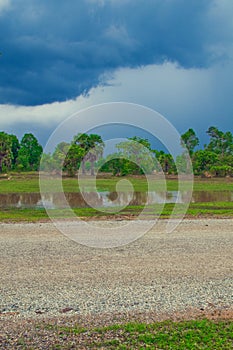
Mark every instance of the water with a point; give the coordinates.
(107, 199)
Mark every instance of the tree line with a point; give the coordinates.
(20, 156)
(134, 156)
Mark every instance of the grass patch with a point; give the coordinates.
(24, 215)
(28, 183)
(24, 185)
(195, 209)
(219, 209)
(183, 335)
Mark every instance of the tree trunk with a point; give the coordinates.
(1, 158)
(83, 167)
(92, 169)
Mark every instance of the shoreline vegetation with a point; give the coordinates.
(29, 183)
(20, 162)
(85, 153)
(220, 210)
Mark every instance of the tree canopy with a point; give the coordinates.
(30, 152)
(133, 156)
(5, 151)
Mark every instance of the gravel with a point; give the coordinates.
(44, 274)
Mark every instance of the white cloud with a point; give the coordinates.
(187, 97)
(44, 115)
(177, 93)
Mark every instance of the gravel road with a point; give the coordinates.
(43, 273)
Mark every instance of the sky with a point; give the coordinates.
(58, 57)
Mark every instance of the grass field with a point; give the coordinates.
(30, 183)
(184, 335)
(195, 210)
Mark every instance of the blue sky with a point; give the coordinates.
(175, 56)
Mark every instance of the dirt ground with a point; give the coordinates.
(46, 276)
(41, 268)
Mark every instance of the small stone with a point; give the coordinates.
(66, 309)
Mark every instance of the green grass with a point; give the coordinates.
(19, 185)
(30, 183)
(217, 184)
(215, 209)
(194, 334)
(27, 185)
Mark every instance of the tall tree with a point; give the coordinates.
(116, 165)
(139, 158)
(14, 148)
(30, 153)
(60, 154)
(220, 142)
(190, 140)
(5, 151)
(73, 159)
(166, 162)
(203, 160)
(141, 141)
(92, 146)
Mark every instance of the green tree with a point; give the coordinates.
(138, 157)
(60, 154)
(221, 170)
(203, 160)
(14, 149)
(47, 162)
(166, 162)
(67, 157)
(92, 146)
(220, 142)
(114, 164)
(5, 151)
(190, 140)
(141, 141)
(30, 153)
(73, 159)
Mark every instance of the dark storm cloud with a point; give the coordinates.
(56, 50)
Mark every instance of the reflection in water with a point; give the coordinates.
(107, 199)
(211, 196)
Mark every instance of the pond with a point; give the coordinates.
(108, 199)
